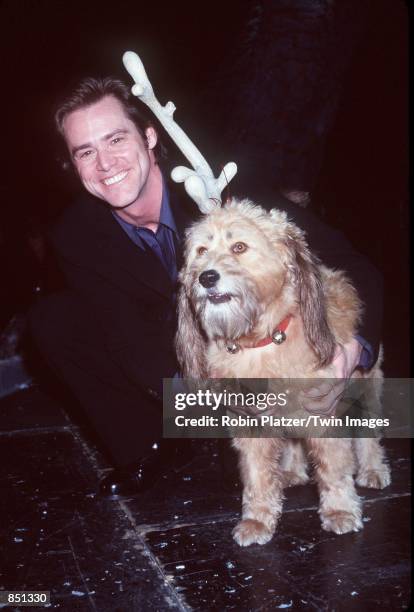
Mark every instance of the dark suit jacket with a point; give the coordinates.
(132, 295)
(126, 287)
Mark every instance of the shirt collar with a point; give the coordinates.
(166, 215)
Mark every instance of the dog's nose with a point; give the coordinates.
(209, 278)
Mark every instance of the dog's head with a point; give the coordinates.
(240, 263)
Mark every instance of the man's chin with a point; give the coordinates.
(116, 201)
(119, 205)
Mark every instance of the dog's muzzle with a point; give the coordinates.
(209, 279)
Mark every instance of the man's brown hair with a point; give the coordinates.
(91, 90)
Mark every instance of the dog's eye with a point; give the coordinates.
(239, 247)
(201, 250)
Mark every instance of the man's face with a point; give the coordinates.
(112, 159)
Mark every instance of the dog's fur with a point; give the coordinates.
(274, 275)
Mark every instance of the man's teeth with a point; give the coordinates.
(116, 179)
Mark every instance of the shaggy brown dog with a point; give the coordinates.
(246, 271)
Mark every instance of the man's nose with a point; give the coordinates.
(104, 160)
(209, 278)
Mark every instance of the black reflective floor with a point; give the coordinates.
(171, 549)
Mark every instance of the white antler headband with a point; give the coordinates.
(199, 183)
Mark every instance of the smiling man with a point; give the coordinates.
(109, 335)
(115, 162)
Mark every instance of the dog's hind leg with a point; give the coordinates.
(262, 489)
(339, 506)
(293, 463)
(372, 469)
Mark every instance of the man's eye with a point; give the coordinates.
(239, 247)
(201, 250)
(86, 154)
(117, 140)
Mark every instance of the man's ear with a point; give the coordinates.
(151, 137)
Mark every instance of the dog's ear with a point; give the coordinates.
(189, 342)
(307, 277)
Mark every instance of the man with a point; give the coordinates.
(109, 336)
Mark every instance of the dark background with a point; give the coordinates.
(302, 94)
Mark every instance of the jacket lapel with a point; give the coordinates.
(130, 261)
(127, 259)
(185, 213)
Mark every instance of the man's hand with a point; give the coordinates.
(323, 398)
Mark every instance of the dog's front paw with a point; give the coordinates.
(374, 479)
(341, 521)
(250, 531)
